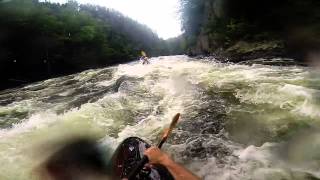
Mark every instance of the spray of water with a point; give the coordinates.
(237, 121)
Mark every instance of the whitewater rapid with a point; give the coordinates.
(238, 121)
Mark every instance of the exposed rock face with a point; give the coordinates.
(202, 45)
(242, 50)
(249, 29)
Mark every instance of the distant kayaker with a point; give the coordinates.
(144, 58)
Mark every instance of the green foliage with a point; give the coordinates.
(225, 22)
(42, 39)
(226, 31)
(177, 45)
(192, 15)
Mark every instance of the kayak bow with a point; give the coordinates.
(164, 138)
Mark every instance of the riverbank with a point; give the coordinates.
(263, 52)
(235, 31)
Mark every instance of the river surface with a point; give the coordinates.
(237, 121)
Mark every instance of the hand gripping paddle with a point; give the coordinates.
(145, 159)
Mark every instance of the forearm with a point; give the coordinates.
(178, 172)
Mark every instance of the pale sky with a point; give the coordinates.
(160, 15)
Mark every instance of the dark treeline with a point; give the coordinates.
(39, 40)
(248, 25)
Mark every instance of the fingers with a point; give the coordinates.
(155, 155)
(152, 152)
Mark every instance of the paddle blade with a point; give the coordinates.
(173, 124)
(168, 131)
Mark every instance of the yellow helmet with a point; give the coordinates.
(143, 53)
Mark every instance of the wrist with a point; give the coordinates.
(165, 160)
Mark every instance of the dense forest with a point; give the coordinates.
(39, 40)
(251, 27)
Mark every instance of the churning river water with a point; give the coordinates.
(237, 121)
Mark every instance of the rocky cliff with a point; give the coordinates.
(248, 29)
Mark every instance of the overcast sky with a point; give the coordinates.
(160, 15)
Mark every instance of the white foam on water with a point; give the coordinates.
(67, 93)
(36, 121)
(298, 91)
(169, 84)
(309, 109)
(250, 163)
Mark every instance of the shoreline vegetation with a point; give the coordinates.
(238, 31)
(41, 40)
